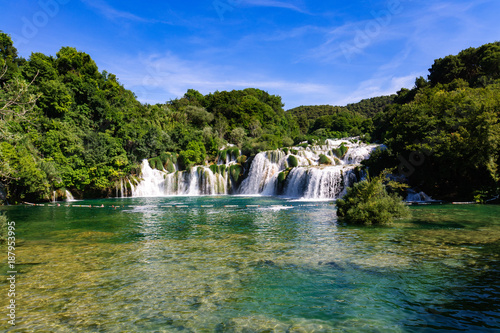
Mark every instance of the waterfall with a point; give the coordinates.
(152, 184)
(318, 183)
(122, 193)
(199, 180)
(264, 168)
(320, 172)
(309, 179)
(69, 196)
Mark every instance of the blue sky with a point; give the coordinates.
(309, 52)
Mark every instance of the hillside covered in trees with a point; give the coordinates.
(65, 124)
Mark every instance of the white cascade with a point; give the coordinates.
(152, 184)
(197, 181)
(69, 196)
(270, 173)
(122, 192)
(308, 179)
(263, 172)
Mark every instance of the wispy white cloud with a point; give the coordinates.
(272, 3)
(437, 27)
(112, 13)
(157, 78)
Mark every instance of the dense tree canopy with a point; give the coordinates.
(66, 125)
(444, 134)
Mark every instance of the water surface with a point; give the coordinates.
(259, 264)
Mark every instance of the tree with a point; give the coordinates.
(368, 203)
(237, 135)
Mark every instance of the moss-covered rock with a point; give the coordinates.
(340, 151)
(292, 161)
(241, 159)
(323, 159)
(170, 167)
(222, 155)
(214, 168)
(282, 179)
(222, 170)
(236, 172)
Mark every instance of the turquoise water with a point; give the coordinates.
(239, 264)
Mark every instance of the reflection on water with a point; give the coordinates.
(282, 266)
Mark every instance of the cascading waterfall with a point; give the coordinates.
(298, 172)
(69, 196)
(120, 191)
(196, 181)
(263, 172)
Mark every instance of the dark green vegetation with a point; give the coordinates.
(368, 202)
(339, 121)
(3, 228)
(66, 125)
(444, 134)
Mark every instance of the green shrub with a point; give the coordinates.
(287, 141)
(164, 158)
(294, 151)
(214, 168)
(3, 228)
(340, 151)
(285, 150)
(222, 155)
(235, 171)
(222, 170)
(368, 203)
(323, 159)
(233, 152)
(281, 180)
(170, 166)
(155, 163)
(241, 159)
(292, 161)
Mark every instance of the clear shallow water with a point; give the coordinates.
(285, 266)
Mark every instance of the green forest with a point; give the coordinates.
(66, 124)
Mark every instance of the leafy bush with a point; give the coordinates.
(3, 228)
(222, 170)
(287, 141)
(170, 167)
(292, 161)
(222, 155)
(156, 163)
(233, 152)
(236, 172)
(281, 180)
(340, 151)
(241, 159)
(323, 159)
(368, 203)
(214, 168)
